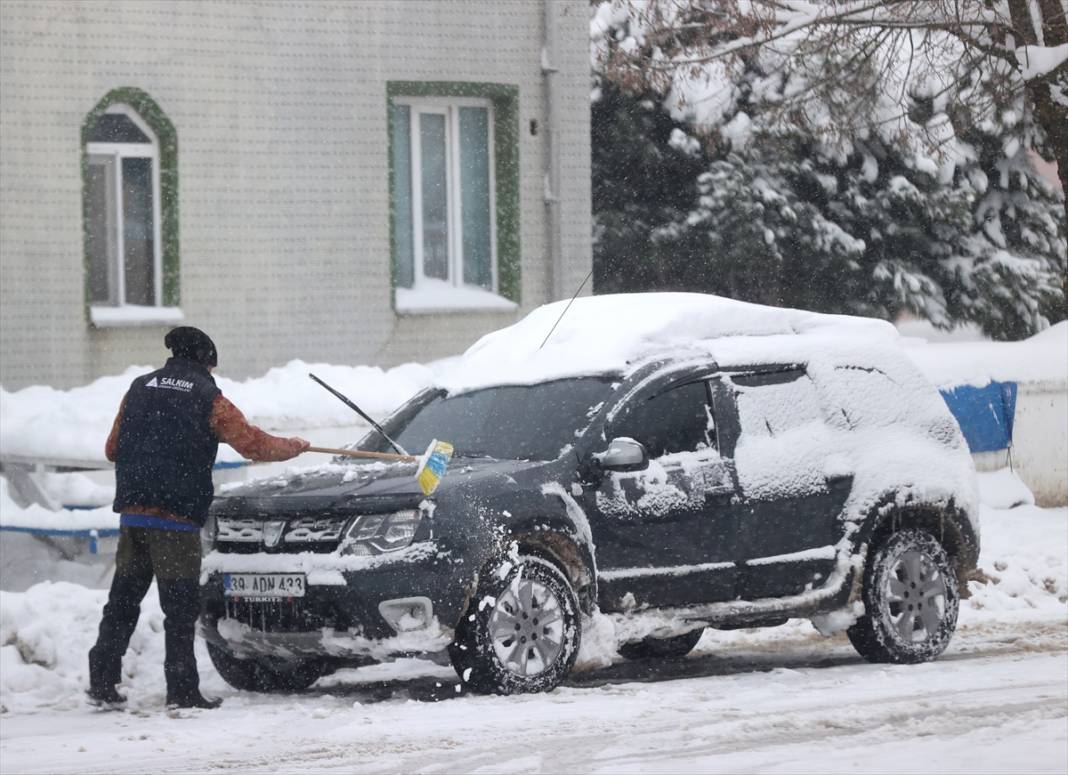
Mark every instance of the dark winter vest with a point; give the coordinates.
(166, 445)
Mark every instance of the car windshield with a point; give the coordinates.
(515, 422)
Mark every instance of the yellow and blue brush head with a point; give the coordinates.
(432, 465)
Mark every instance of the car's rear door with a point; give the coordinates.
(663, 535)
(789, 520)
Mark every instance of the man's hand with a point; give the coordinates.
(297, 445)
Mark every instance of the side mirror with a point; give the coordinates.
(623, 454)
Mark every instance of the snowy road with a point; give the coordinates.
(776, 700)
(788, 702)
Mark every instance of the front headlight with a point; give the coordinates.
(370, 534)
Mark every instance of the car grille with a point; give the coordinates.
(293, 615)
(245, 535)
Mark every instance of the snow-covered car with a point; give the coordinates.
(669, 461)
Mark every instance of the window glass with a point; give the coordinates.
(675, 421)
(101, 229)
(435, 198)
(402, 193)
(867, 397)
(535, 422)
(137, 232)
(121, 203)
(771, 409)
(116, 128)
(444, 216)
(475, 196)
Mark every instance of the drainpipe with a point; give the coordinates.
(550, 54)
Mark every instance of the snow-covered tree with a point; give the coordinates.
(935, 208)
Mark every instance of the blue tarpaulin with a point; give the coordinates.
(985, 414)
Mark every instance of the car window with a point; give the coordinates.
(677, 420)
(515, 422)
(771, 404)
(867, 397)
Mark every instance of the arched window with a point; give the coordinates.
(124, 244)
(130, 206)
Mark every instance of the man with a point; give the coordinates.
(163, 444)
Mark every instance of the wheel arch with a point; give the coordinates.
(572, 559)
(946, 522)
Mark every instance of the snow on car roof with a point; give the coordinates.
(612, 333)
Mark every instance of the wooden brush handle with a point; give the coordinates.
(360, 453)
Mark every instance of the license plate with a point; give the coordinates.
(264, 586)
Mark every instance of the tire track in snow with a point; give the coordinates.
(758, 701)
(753, 732)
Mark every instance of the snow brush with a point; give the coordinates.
(432, 463)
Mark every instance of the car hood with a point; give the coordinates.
(338, 484)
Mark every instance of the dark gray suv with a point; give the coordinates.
(677, 494)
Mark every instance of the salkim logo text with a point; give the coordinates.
(170, 383)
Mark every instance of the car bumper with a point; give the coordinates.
(353, 607)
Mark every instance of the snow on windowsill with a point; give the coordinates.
(435, 296)
(134, 315)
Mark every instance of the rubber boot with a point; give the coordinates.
(197, 700)
(105, 697)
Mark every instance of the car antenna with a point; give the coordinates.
(581, 286)
(352, 405)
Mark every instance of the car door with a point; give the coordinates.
(663, 535)
(788, 521)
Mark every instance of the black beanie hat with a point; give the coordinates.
(193, 344)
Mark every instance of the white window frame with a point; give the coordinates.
(118, 152)
(449, 107)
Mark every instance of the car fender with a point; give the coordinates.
(946, 521)
(529, 521)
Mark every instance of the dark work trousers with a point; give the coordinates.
(174, 558)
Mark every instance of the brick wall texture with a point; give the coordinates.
(280, 113)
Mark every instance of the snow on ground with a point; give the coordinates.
(777, 700)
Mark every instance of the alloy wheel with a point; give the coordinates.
(526, 627)
(916, 596)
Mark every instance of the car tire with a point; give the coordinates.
(910, 601)
(662, 648)
(253, 675)
(497, 648)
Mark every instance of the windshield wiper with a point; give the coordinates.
(349, 403)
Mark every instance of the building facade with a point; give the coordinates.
(353, 182)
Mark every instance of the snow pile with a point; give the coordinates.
(1042, 357)
(606, 334)
(43, 421)
(1025, 561)
(1003, 489)
(285, 397)
(45, 636)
